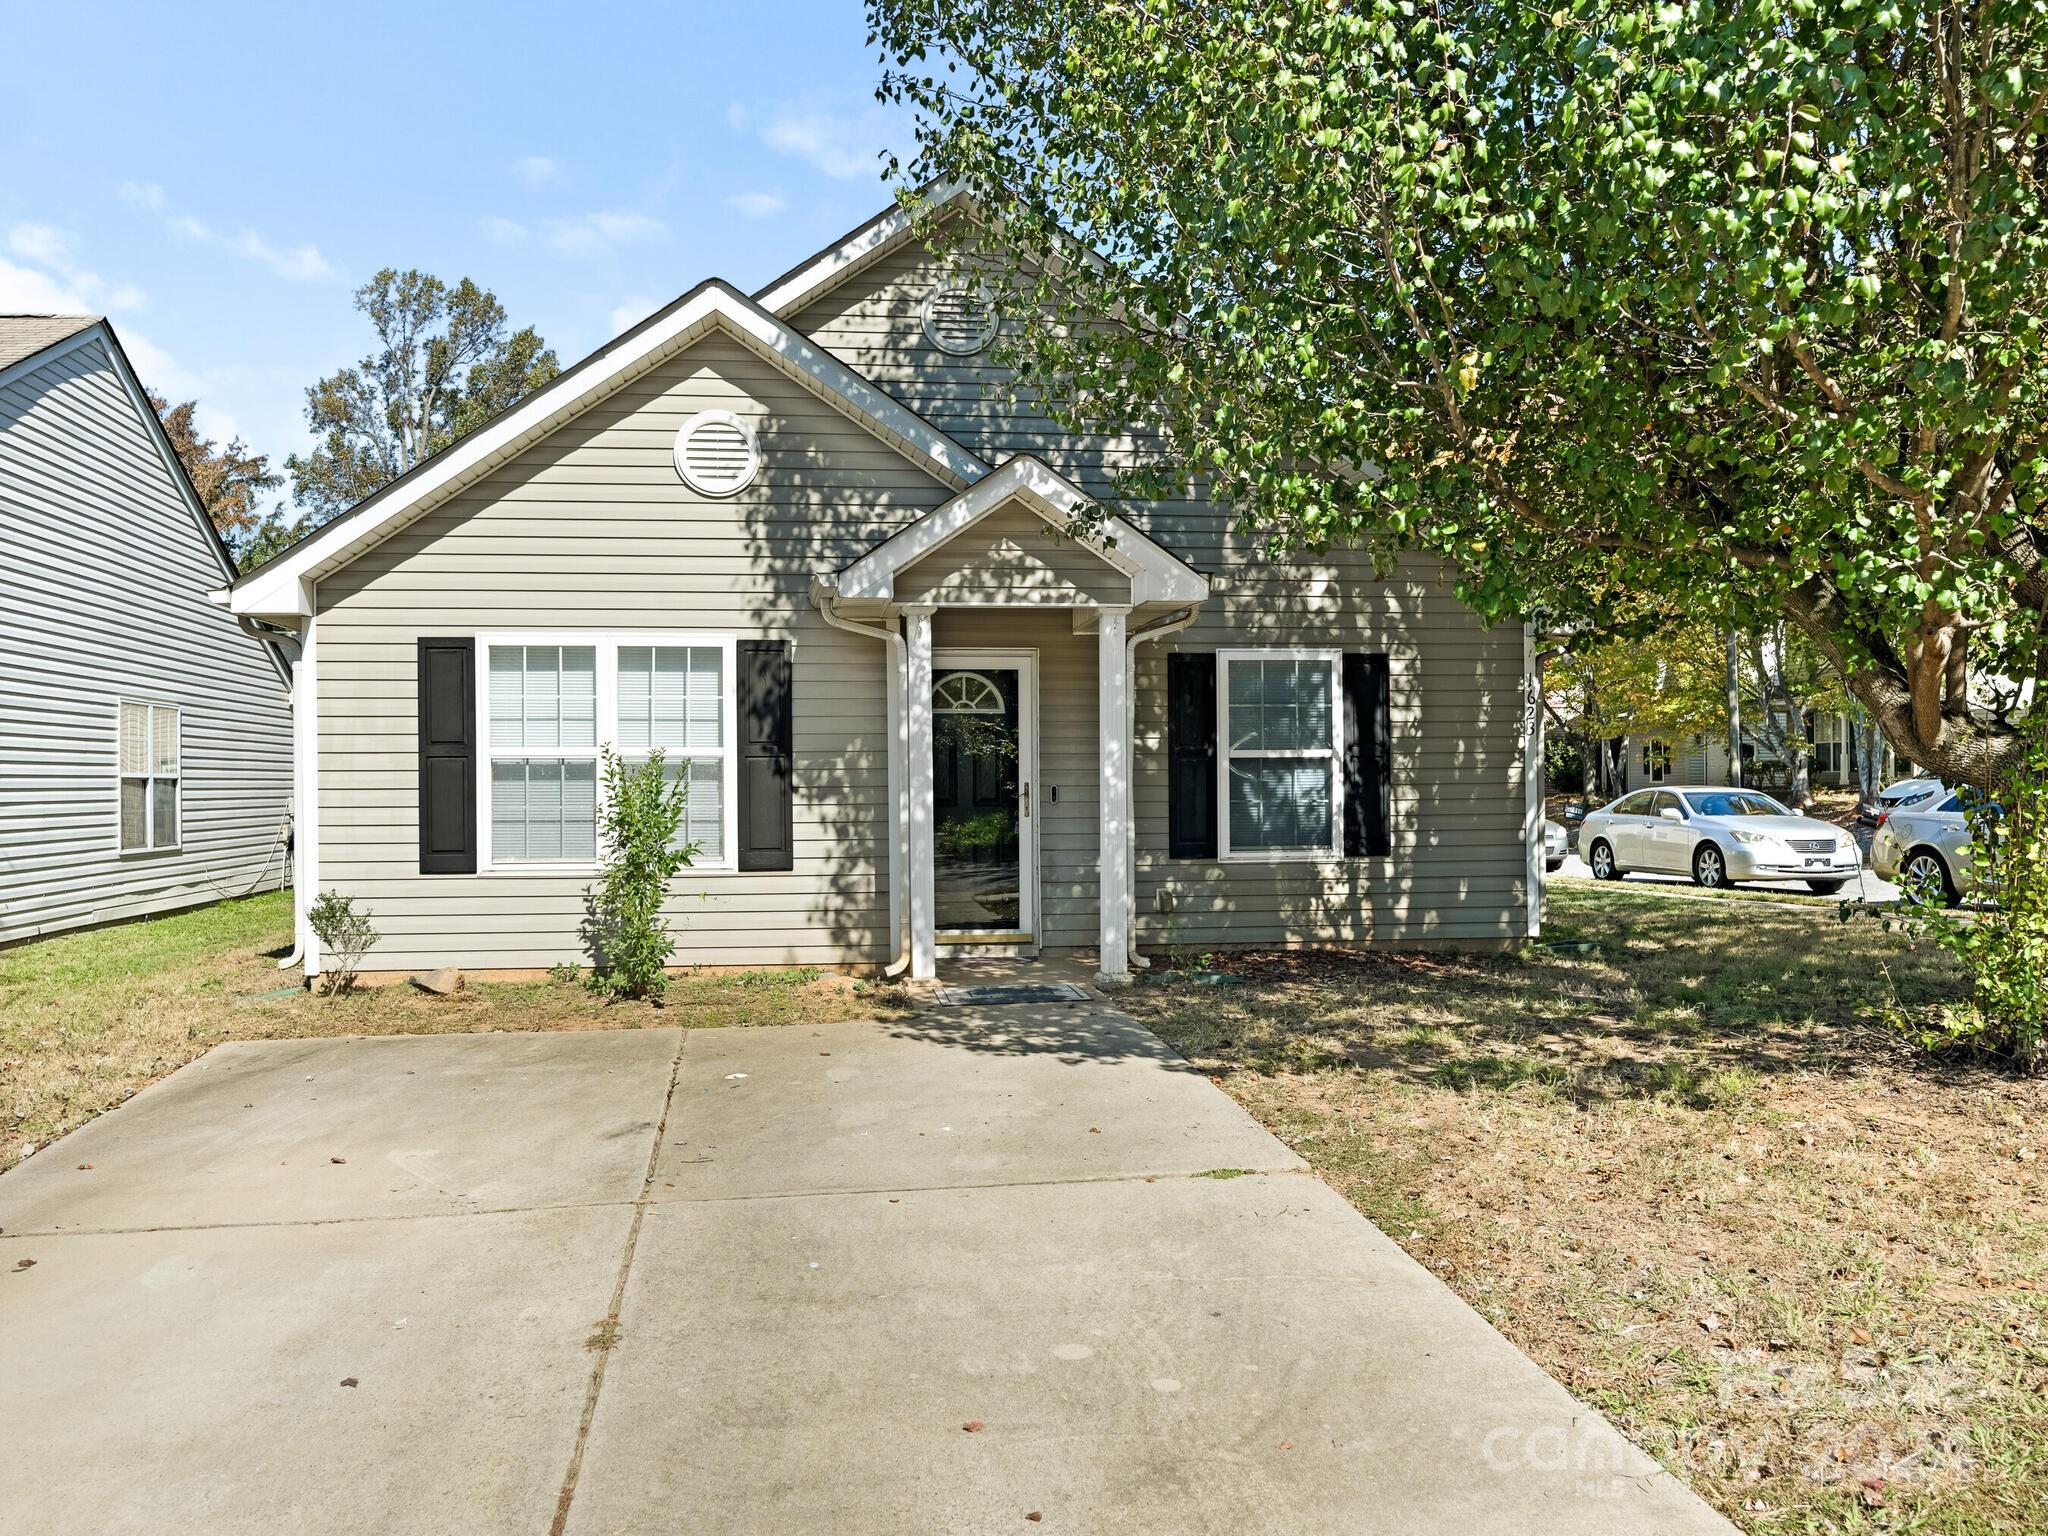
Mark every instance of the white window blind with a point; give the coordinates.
(151, 771)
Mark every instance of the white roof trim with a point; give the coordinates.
(1157, 574)
(865, 246)
(283, 588)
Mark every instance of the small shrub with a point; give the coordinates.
(2002, 938)
(345, 936)
(564, 973)
(627, 934)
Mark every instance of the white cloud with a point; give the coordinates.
(756, 205)
(844, 143)
(538, 170)
(40, 243)
(503, 231)
(53, 283)
(303, 262)
(631, 313)
(599, 234)
(300, 263)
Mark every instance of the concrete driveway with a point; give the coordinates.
(961, 1274)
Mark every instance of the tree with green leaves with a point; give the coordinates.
(1721, 308)
(229, 478)
(445, 361)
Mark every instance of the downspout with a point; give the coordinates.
(826, 602)
(290, 646)
(1173, 624)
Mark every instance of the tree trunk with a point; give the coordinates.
(1734, 684)
(1868, 746)
(1958, 750)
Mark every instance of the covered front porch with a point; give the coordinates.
(1010, 621)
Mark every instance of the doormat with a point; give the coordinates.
(1013, 992)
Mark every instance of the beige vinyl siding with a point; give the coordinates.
(1459, 867)
(1013, 556)
(104, 571)
(593, 530)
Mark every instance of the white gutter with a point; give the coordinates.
(1158, 630)
(826, 600)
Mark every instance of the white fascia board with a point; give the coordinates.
(1157, 575)
(866, 245)
(283, 587)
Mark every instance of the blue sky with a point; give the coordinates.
(218, 178)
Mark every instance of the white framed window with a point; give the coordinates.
(1279, 717)
(1657, 761)
(551, 701)
(151, 751)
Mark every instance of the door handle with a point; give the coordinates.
(1024, 800)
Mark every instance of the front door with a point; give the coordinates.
(984, 709)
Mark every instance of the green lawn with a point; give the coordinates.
(88, 1018)
(1682, 1162)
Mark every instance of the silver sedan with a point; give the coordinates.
(1925, 847)
(1718, 836)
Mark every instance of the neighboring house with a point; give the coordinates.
(145, 739)
(801, 541)
(1703, 759)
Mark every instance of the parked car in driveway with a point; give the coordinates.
(1556, 844)
(1719, 837)
(1908, 792)
(1925, 847)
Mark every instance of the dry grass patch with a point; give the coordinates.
(1692, 1174)
(88, 1019)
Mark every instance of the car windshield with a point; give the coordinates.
(1735, 803)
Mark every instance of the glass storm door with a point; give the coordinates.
(982, 864)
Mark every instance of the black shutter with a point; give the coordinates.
(1368, 755)
(766, 757)
(1191, 754)
(447, 707)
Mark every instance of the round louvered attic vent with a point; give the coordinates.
(716, 453)
(959, 316)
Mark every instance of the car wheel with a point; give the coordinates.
(1553, 865)
(1600, 859)
(1825, 887)
(1709, 867)
(1926, 878)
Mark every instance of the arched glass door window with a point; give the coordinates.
(966, 693)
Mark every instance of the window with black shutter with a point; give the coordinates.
(447, 718)
(767, 755)
(1368, 755)
(1191, 754)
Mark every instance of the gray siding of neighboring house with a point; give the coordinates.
(104, 570)
(593, 530)
(1458, 871)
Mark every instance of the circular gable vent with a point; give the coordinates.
(716, 453)
(959, 316)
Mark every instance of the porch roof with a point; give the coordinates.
(1155, 573)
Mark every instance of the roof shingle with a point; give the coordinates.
(25, 335)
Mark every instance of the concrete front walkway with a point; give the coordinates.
(936, 1276)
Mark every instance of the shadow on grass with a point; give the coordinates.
(1629, 997)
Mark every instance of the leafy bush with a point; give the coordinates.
(627, 935)
(2002, 937)
(345, 936)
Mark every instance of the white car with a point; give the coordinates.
(1908, 792)
(1556, 845)
(1718, 836)
(1925, 847)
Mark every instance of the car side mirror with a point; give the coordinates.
(1670, 813)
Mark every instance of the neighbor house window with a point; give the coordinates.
(552, 702)
(149, 776)
(1656, 761)
(1279, 713)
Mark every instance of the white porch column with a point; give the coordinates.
(1113, 716)
(917, 747)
